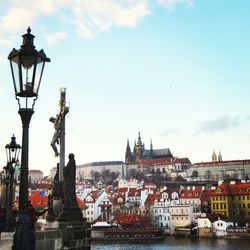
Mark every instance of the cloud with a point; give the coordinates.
(168, 132)
(219, 124)
(86, 18)
(53, 38)
(93, 16)
(171, 4)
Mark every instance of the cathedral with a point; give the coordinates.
(140, 153)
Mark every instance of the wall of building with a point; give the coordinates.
(221, 170)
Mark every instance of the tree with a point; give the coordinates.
(194, 174)
(96, 176)
(180, 178)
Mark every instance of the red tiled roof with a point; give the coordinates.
(184, 160)
(122, 190)
(38, 199)
(231, 189)
(240, 188)
(152, 197)
(131, 219)
(156, 161)
(134, 192)
(94, 195)
(191, 193)
(41, 201)
(222, 162)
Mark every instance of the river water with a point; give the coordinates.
(178, 244)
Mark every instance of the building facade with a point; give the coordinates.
(219, 170)
(141, 153)
(85, 171)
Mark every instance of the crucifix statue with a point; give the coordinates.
(59, 133)
(58, 146)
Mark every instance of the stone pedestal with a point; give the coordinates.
(75, 235)
(49, 239)
(71, 214)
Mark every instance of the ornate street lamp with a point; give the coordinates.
(12, 153)
(27, 65)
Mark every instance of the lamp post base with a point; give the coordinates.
(24, 237)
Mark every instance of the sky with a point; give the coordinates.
(175, 70)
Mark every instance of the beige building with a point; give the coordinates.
(35, 175)
(219, 170)
(180, 216)
(85, 171)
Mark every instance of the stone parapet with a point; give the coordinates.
(49, 239)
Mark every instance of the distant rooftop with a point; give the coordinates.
(100, 163)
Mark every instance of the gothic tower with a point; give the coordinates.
(214, 156)
(219, 156)
(138, 148)
(128, 155)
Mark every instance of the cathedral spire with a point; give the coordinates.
(151, 148)
(128, 155)
(139, 139)
(219, 156)
(214, 156)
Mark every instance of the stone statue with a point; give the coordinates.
(50, 214)
(56, 137)
(69, 174)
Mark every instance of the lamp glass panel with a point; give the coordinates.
(15, 75)
(27, 67)
(38, 75)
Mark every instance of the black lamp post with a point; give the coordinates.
(12, 153)
(27, 65)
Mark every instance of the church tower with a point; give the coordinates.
(151, 148)
(128, 155)
(219, 156)
(138, 148)
(214, 156)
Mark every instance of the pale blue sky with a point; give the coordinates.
(175, 70)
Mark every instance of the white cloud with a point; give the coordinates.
(219, 124)
(53, 38)
(86, 17)
(15, 19)
(93, 16)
